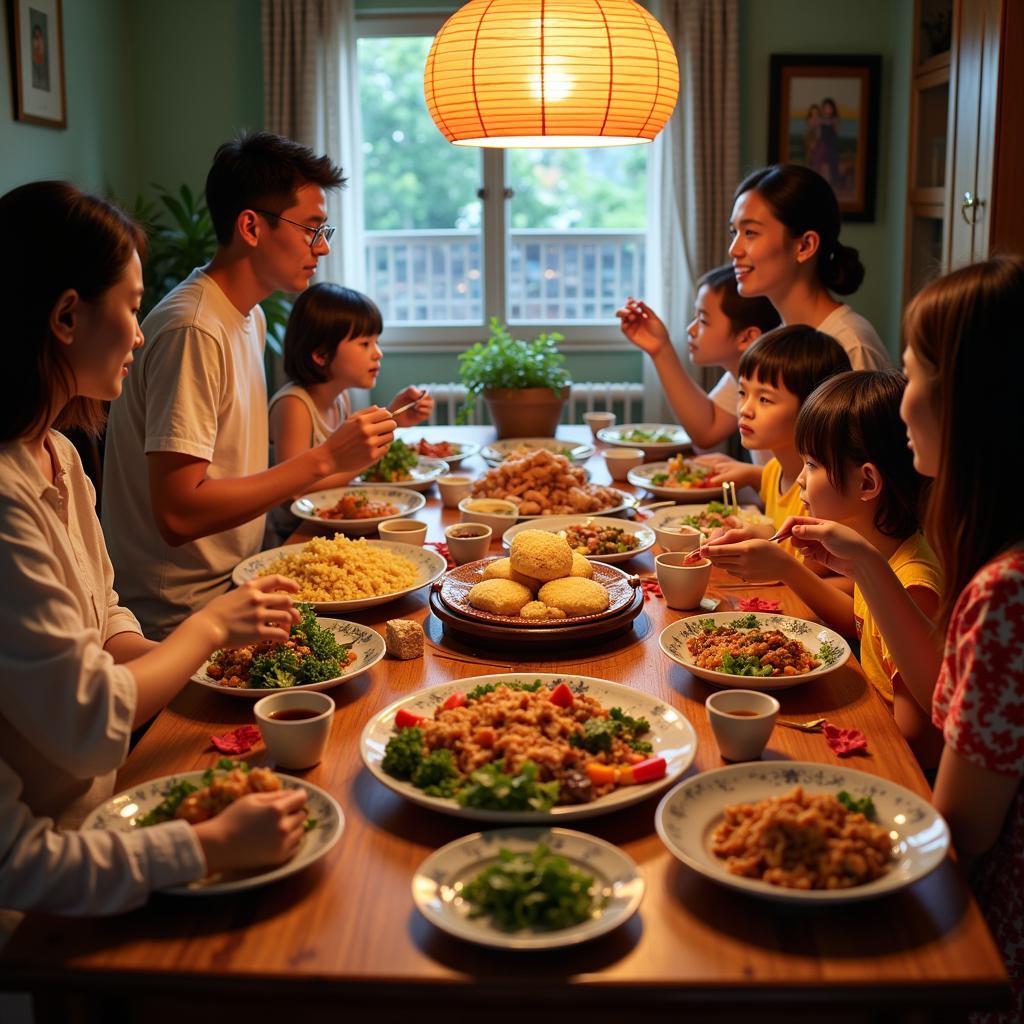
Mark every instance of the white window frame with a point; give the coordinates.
(595, 336)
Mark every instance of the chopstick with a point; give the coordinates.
(408, 405)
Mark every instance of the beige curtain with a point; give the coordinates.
(695, 161)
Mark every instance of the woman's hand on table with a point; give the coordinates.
(833, 545)
(258, 610)
(747, 555)
(360, 441)
(259, 830)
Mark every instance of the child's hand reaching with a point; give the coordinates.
(641, 325)
(743, 474)
(419, 412)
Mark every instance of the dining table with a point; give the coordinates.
(342, 939)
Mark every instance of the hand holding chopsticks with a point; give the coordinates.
(412, 399)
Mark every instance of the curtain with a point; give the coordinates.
(694, 168)
(311, 95)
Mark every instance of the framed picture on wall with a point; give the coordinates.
(824, 114)
(38, 62)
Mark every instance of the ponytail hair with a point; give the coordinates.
(804, 201)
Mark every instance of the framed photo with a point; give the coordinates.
(38, 62)
(824, 114)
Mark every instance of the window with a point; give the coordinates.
(544, 239)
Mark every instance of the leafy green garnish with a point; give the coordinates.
(744, 665)
(490, 788)
(745, 622)
(484, 688)
(175, 794)
(436, 773)
(865, 805)
(706, 625)
(403, 754)
(394, 464)
(532, 890)
(659, 478)
(829, 652)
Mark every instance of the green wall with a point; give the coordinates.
(841, 26)
(98, 148)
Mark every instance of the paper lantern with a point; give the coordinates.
(551, 73)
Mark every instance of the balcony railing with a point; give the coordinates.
(430, 277)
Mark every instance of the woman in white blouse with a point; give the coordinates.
(76, 674)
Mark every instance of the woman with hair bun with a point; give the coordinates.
(785, 246)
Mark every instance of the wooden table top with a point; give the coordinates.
(347, 926)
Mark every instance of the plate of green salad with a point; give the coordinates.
(527, 747)
(318, 655)
(656, 439)
(754, 651)
(402, 466)
(528, 888)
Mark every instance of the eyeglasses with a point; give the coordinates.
(324, 233)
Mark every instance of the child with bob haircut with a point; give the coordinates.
(854, 474)
(723, 326)
(330, 345)
(973, 685)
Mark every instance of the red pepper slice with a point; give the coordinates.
(647, 771)
(456, 700)
(406, 719)
(562, 696)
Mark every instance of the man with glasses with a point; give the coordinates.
(186, 484)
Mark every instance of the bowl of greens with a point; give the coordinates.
(402, 466)
(657, 440)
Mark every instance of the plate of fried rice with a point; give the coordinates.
(754, 651)
(528, 747)
(800, 832)
(337, 574)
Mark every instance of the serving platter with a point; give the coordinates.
(430, 566)
(671, 736)
(440, 879)
(121, 813)
(405, 502)
(823, 643)
(555, 524)
(689, 814)
(421, 476)
(366, 644)
(617, 437)
(641, 477)
(625, 501)
(574, 451)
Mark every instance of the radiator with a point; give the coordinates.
(624, 398)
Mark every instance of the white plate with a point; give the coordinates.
(641, 477)
(626, 501)
(422, 475)
(367, 645)
(440, 878)
(614, 435)
(463, 449)
(671, 735)
(674, 516)
(553, 524)
(119, 814)
(407, 503)
(574, 451)
(812, 634)
(687, 816)
(429, 564)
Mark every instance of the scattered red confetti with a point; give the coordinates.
(759, 604)
(845, 741)
(651, 588)
(238, 741)
(442, 550)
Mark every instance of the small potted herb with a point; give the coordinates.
(524, 383)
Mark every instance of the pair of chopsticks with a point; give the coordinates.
(408, 405)
(729, 493)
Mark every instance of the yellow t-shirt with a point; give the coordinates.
(915, 565)
(778, 507)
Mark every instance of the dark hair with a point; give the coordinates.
(324, 316)
(54, 238)
(797, 355)
(804, 201)
(853, 418)
(259, 169)
(973, 511)
(742, 312)
(829, 100)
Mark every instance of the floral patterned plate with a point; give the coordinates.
(439, 880)
(120, 813)
(823, 643)
(688, 815)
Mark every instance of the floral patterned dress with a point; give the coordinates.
(979, 706)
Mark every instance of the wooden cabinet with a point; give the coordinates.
(966, 136)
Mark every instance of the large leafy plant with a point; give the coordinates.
(506, 362)
(181, 238)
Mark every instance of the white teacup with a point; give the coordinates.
(678, 538)
(453, 489)
(293, 741)
(742, 721)
(404, 531)
(598, 421)
(621, 460)
(682, 584)
(468, 542)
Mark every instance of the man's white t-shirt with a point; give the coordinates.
(197, 387)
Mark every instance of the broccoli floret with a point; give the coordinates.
(403, 754)
(436, 773)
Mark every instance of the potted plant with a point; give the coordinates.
(524, 383)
